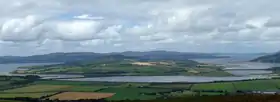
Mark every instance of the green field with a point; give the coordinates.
(255, 85)
(31, 95)
(76, 83)
(261, 85)
(39, 88)
(214, 86)
(133, 93)
(187, 93)
(85, 88)
(171, 85)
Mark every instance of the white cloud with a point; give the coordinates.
(92, 42)
(76, 29)
(21, 29)
(214, 25)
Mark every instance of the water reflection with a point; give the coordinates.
(248, 72)
(240, 66)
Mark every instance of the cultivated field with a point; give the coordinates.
(80, 95)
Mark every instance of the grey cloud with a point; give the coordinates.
(273, 23)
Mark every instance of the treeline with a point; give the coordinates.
(228, 98)
(224, 98)
(17, 81)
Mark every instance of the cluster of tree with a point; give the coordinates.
(228, 98)
(26, 99)
(17, 81)
(28, 79)
(216, 91)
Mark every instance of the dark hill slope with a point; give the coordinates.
(273, 58)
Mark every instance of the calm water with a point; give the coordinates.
(249, 72)
(237, 62)
(165, 79)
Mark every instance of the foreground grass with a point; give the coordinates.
(217, 98)
(254, 85)
(10, 101)
(236, 98)
(138, 91)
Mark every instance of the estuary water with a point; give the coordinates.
(166, 79)
(236, 66)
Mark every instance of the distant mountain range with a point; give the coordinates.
(272, 58)
(88, 56)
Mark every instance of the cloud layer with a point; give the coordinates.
(36, 27)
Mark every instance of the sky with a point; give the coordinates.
(29, 27)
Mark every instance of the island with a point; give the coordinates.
(120, 65)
